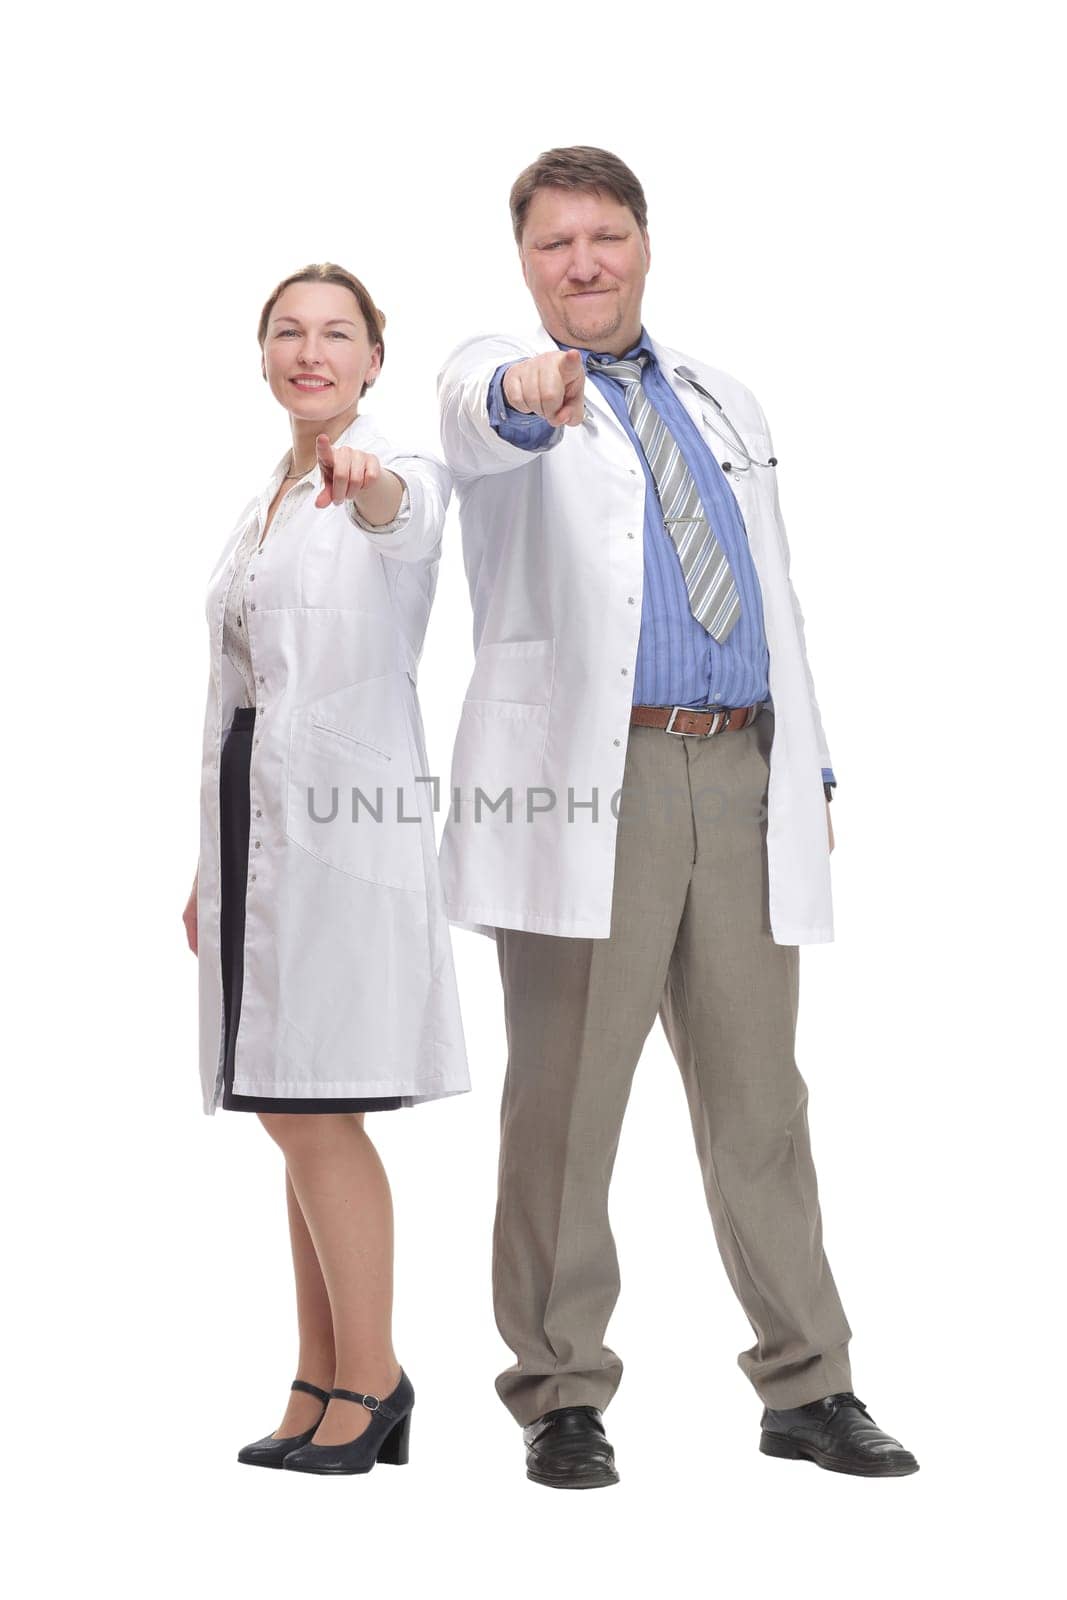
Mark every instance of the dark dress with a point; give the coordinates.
(235, 820)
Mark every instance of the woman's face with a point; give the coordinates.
(316, 353)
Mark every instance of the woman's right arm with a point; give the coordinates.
(189, 915)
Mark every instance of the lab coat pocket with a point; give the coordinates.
(500, 743)
(351, 797)
(516, 671)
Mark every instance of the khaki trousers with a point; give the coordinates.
(690, 938)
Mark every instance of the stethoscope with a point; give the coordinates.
(688, 376)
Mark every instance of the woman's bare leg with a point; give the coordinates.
(343, 1195)
(314, 1320)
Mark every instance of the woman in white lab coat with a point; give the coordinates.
(326, 980)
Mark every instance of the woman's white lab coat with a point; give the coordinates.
(349, 988)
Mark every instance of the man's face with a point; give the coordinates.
(585, 261)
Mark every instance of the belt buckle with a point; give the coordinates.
(680, 733)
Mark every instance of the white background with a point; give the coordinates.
(852, 209)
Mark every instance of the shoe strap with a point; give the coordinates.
(311, 1388)
(371, 1401)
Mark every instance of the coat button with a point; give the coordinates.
(258, 812)
(629, 535)
(625, 672)
(257, 843)
(252, 607)
(615, 741)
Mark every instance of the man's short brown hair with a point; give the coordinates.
(582, 167)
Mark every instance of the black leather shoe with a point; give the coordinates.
(568, 1449)
(385, 1438)
(269, 1451)
(837, 1432)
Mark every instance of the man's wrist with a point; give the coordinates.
(524, 429)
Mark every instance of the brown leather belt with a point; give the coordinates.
(699, 722)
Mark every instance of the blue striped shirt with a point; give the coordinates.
(678, 661)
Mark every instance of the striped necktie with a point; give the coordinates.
(709, 582)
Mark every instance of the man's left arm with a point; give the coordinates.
(829, 781)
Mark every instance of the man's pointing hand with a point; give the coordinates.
(552, 386)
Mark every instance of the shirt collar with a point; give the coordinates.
(643, 344)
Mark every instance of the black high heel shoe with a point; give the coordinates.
(269, 1451)
(384, 1439)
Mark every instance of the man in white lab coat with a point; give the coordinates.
(639, 817)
